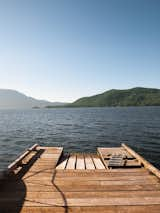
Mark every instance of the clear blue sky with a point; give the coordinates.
(61, 50)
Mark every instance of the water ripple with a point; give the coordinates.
(81, 130)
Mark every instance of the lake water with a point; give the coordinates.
(80, 130)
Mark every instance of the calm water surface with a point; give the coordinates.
(81, 130)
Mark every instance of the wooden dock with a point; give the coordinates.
(45, 180)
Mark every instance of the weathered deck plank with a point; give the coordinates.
(120, 201)
(80, 162)
(97, 162)
(80, 183)
(98, 194)
(89, 162)
(71, 164)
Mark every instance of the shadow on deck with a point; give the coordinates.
(13, 189)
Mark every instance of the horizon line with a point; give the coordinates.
(98, 93)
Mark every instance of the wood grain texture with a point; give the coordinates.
(89, 162)
(79, 183)
(80, 162)
(97, 162)
(71, 164)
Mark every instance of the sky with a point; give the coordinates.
(61, 50)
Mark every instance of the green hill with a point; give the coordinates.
(131, 97)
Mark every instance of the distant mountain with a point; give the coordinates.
(131, 97)
(11, 99)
